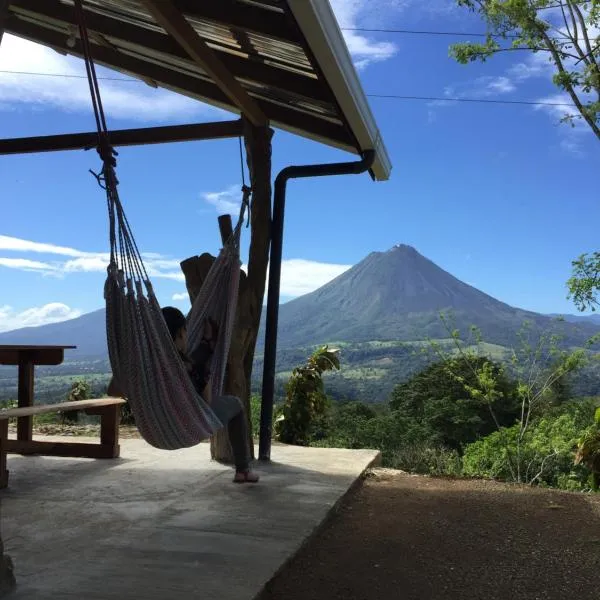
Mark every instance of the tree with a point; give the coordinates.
(447, 398)
(567, 30)
(585, 282)
(588, 450)
(80, 390)
(306, 401)
(540, 368)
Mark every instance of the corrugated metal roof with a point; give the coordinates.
(258, 41)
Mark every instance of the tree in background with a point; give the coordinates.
(540, 369)
(459, 399)
(566, 30)
(585, 282)
(306, 402)
(588, 450)
(80, 390)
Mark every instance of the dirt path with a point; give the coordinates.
(414, 538)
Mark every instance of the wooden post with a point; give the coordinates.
(252, 286)
(25, 397)
(109, 430)
(220, 448)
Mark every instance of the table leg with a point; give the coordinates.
(25, 424)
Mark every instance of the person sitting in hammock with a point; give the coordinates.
(228, 409)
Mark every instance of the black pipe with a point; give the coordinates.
(268, 383)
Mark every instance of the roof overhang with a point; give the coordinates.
(320, 28)
(284, 60)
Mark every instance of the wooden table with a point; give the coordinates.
(26, 357)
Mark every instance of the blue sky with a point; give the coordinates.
(503, 197)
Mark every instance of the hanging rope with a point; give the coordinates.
(168, 411)
(245, 189)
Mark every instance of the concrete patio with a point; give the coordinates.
(157, 524)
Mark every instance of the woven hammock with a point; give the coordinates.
(168, 411)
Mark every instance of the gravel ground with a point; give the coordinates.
(416, 538)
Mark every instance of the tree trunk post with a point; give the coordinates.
(252, 286)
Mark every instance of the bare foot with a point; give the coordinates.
(245, 477)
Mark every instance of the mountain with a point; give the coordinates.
(389, 296)
(87, 332)
(398, 295)
(593, 318)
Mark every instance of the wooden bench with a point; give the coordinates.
(109, 410)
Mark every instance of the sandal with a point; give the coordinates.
(246, 477)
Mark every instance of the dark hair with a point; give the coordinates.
(175, 320)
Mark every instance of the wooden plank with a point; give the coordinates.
(37, 356)
(123, 137)
(249, 69)
(64, 449)
(174, 23)
(226, 12)
(60, 407)
(25, 396)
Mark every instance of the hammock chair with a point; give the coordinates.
(168, 411)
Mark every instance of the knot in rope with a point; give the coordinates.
(106, 152)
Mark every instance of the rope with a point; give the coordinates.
(245, 196)
(168, 411)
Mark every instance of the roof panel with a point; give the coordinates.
(262, 43)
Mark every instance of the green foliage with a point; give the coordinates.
(306, 403)
(588, 450)
(255, 402)
(565, 31)
(585, 282)
(542, 455)
(459, 399)
(80, 390)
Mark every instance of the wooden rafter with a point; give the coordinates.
(176, 25)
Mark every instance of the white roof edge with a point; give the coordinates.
(324, 37)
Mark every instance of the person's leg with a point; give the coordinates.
(230, 411)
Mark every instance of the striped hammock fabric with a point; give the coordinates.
(168, 411)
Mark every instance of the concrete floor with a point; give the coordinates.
(168, 525)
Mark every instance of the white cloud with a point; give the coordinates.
(157, 265)
(183, 296)
(53, 312)
(226, 202)
(121, 100)
(25, 264)
(364, 50)
(299, 276)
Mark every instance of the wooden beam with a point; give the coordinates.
(174, 23)
(65, 449)
(123, 137)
